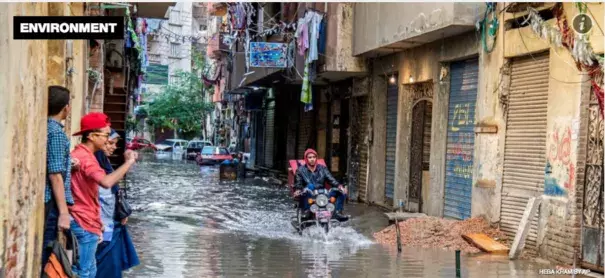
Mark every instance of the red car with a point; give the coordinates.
(139, 143)
(212, 155)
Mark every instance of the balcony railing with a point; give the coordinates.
(200, 11)
(217, 9)
(216, 45)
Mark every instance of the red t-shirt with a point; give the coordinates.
(85, 190)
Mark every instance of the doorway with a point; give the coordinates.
(420, 145)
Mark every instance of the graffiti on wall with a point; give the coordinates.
(461, 116)
(560, 170)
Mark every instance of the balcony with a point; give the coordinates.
(153, 9)
(217, 9)
(216, 45)
(338, 62)
(381, 28)
(200, 11)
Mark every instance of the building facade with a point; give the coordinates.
(467, 124)
(23, 110)
(456, 110)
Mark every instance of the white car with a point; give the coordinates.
(171, 149)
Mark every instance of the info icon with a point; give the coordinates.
(582, 24)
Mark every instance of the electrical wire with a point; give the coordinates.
(595, 20)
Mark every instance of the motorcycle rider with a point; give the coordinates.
(314, 176)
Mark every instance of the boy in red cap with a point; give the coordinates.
(86, 212)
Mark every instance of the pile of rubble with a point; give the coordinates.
(432, 232)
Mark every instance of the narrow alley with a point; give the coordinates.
(475, 128)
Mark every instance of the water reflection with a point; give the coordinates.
(188, 224)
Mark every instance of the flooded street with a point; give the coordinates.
(189, 224)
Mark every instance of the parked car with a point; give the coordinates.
(212, 155)
(195, 147)
(171, 149)
(138, 143)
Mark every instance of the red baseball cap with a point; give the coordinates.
(92, 121)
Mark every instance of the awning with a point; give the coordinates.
(248, 90)
(153, 9)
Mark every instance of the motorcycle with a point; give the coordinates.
(322, 211)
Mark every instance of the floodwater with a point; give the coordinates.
(189, 224)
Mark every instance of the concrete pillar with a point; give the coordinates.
(378, 146)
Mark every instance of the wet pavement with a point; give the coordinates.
(189, 224)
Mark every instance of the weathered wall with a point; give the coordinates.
(378, 121)
(76, 78)
(380, 24)
(422, 64)
(488, 155)
(67, 65)
(560, 212)
(28, 68)
(339, 40)
(23, 106)
(96, 86)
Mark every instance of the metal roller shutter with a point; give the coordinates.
(525, 144)
(461, 139)
(391, 143)
(363, 148)
(260, 138)
(269, 133)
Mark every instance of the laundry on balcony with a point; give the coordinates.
(307, 35)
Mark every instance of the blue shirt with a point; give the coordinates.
(58, 160)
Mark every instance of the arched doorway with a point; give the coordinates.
(420, 145)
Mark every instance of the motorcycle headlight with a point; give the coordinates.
(314, 208)
(331, 207)
(321, 200)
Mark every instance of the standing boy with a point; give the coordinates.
(57, 195)
(86, 211)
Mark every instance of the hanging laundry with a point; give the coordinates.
(303, 39)
(314, 23)
(302, 32)
(153, 24)
(239, 16)
(306, 95)
(322, 37)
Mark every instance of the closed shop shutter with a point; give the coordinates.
(525, 144)
(392, 98)
(363, 147)
(304, 133)
(270, 133)
(461, 139)
(260, 134)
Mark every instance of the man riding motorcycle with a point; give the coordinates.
(314, 176)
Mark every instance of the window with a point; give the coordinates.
(208, 150)
(175, 17)
(223, 151)
(174, 50)
(203, 27)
